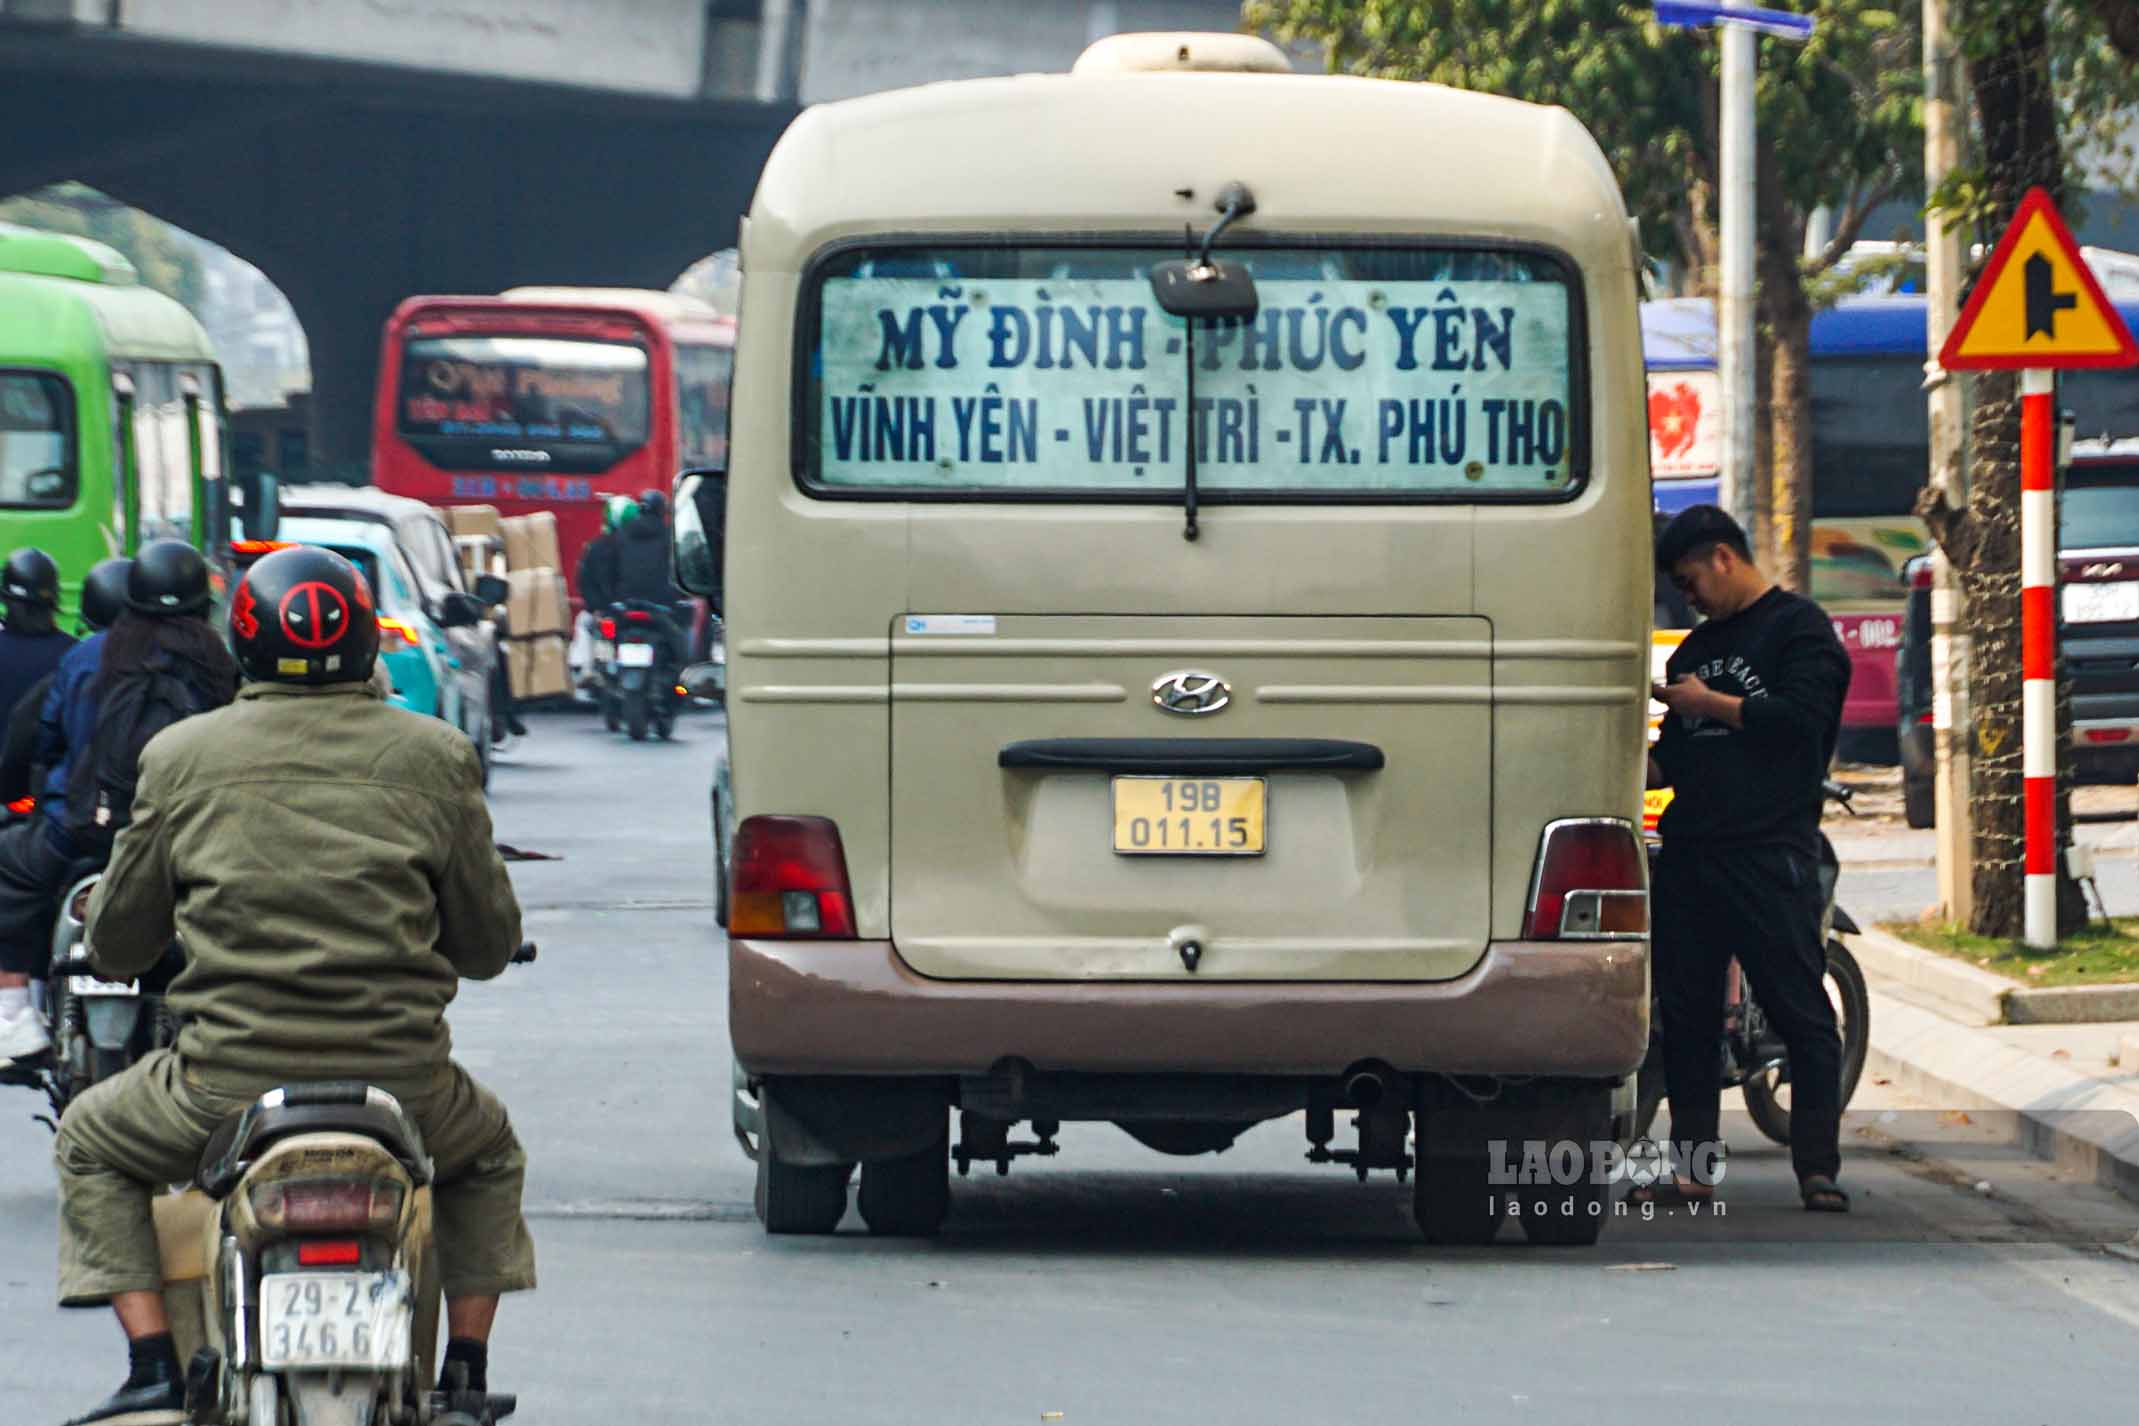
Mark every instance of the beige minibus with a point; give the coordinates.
(1183, 562)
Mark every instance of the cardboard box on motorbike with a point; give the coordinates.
(538, 603)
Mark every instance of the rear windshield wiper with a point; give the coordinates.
(1204, 289)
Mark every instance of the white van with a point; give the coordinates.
(1071, 782)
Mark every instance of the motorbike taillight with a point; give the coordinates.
(326, 1205)
(608, 628)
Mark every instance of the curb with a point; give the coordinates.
(1984, 998)
(1972, 992)
(2071, 1004)
(2085, 1126)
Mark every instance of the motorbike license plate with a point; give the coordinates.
(90, 986)
(635, 655)
(340, 1319)
(1189, 816)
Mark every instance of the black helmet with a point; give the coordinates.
(304, 615)
(31, 578)
(653, 504)
(168, 578)
(104, 592)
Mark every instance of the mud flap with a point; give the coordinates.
(844, 1120)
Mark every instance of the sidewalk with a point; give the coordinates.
(1878, 837)
(2072, 1090)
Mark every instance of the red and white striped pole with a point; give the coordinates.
(2038, 649)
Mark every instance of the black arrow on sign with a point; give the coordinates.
(2043, 302)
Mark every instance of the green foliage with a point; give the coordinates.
(1839, 117)
(2095, 87)
(152, 246)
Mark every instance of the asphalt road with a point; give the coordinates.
(1112, 1285)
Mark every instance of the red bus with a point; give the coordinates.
(550, 398)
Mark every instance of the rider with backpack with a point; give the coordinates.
(159, 663)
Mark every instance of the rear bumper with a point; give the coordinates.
(1527, 1008)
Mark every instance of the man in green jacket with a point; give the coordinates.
(326, 862)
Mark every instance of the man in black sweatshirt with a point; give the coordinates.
(1755, 698)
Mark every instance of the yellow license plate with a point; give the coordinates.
(1188, 816)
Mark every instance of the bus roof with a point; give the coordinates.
(49, 281)
(1122, 152)
(670, 311)
(1679, 333)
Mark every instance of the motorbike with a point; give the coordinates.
(1753, 1058)
(99, 1027)
(299, 1270)
(639, 688)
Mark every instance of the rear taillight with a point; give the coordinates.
(327, 1205)
(608, 628)
(790, 880)
(1590, 883)
(331, 1253)
(23, 806)
(638, 616)
(2109, 735)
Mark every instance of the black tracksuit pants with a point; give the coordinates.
(1762, 905)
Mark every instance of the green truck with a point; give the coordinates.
(111, 410)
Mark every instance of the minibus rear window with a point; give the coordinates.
(1377, 373)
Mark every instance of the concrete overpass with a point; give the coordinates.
(358, 151)
(363, 150)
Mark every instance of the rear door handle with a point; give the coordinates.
(1190, 756)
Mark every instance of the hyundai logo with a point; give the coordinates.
(1191, 692)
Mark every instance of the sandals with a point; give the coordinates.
(1821, 1195)
(1673, 1193)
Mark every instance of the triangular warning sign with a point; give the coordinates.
(2037, 303)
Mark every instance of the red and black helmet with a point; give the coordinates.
(304, 615)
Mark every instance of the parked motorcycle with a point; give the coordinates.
(299, 1270)
(1752, 1056)
(639, 677)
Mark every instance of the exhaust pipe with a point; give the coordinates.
(1366, 1086)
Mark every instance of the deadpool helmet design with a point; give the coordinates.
(304, 615)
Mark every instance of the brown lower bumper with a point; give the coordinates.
(853, 1007)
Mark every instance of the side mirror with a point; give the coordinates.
(700, 504)
(706, 680)
(491, 590)
(460, 611)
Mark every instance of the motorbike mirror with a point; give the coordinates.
(706, 680)
(492, 590)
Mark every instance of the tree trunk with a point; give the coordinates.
(1763, 532)
(1789, 321)
(1792, 451)
(2020, 150)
